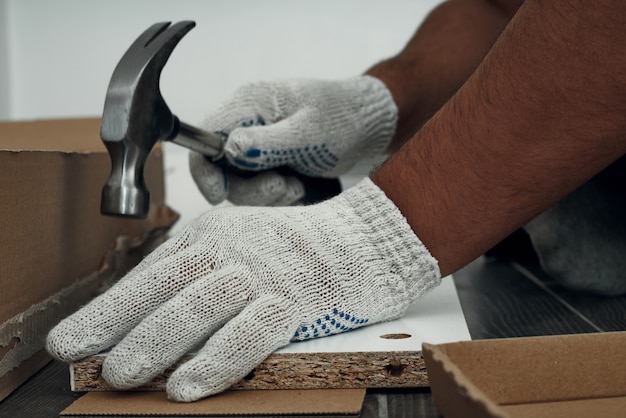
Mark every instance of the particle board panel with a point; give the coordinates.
(385, 355)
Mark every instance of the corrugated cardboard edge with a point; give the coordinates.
(454, 395)
(22, 338)
(332, 402)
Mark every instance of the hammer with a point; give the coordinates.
(136, 117)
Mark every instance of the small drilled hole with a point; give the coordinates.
(395, 336)
(395, 368)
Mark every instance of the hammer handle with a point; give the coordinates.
(196, 139)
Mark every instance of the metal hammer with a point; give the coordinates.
(136, 117)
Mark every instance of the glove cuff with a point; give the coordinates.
(408, 256)
(378, 115)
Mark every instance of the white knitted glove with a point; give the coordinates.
(317, 128)
(250, 280)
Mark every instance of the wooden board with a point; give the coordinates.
(386, 355)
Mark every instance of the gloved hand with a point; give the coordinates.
(317, 128)
(250, 280)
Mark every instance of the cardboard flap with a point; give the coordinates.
(517, 370)
(564, 375)
(584, 408)
(465, 399)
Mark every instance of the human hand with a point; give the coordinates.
(316, 128)
(247, 281)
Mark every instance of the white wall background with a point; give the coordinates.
(56, 57)
(4, 61)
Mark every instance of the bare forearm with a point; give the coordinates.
(541, 114)
(439, 58)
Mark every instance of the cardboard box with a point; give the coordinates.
(581, 375)
(328, 403)
(57, 250)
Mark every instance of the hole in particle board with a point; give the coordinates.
(394, 368)
(395, 336)
(249, 376)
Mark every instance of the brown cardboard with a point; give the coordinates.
(57, 250)
(326, 402)
(568, 375)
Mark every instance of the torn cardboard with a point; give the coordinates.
(58, 250)
(327, 403)
(570, 375)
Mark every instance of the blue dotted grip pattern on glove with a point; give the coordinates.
(333, 323)
(309, 160)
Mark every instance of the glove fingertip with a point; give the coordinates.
(128, 369)
(188, 384)
(64, 344)
(234, 350)
(57, 346)
(210, 179)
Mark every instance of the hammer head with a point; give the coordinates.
(135, 117)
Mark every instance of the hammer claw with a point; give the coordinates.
(159, 38)
(154, 46)
(148, 36)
